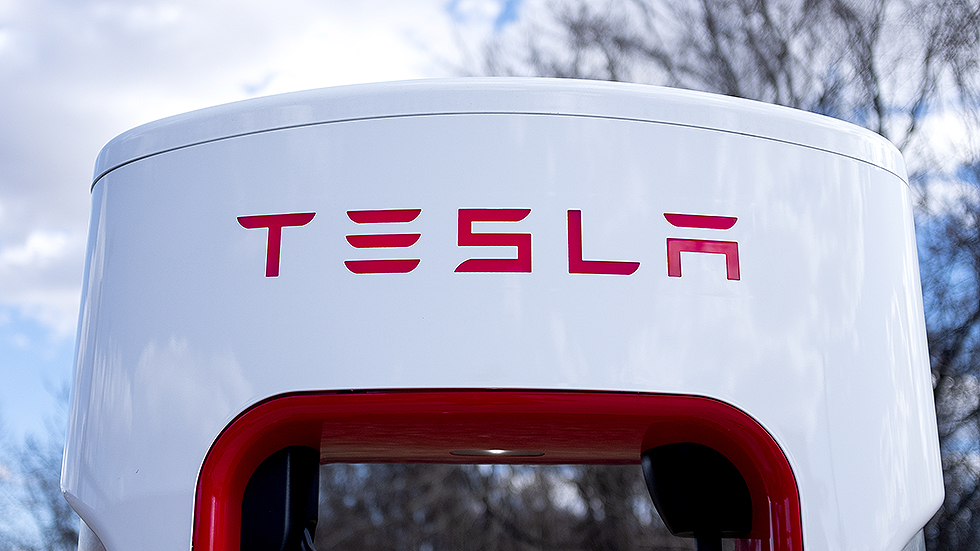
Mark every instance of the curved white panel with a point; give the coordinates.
(791, 293)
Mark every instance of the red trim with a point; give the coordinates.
(425, 426)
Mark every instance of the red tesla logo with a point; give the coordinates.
(578, 266)
(677, 246)
(466, 237)
(275, 223)
(388, 240)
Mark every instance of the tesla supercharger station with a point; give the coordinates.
(503, 271)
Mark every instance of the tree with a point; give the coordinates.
(55, 524)
(902, 68)
(950, 244)
(34, 515)
(488, 507)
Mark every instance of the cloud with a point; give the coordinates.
(40, 249)
(42, 279)
(73, 74)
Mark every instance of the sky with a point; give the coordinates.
(76, 73)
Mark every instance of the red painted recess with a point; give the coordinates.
(426, 426)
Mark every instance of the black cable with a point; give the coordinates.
(307, 543)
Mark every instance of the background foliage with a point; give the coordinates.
(906, 69)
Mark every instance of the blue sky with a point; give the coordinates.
(35, 364)
(73, 74)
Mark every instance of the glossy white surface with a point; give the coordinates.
(821, 339)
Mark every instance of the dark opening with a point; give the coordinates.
(434, 507)
(698, 492)
(279, 508)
